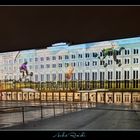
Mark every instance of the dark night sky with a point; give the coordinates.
(26, 27)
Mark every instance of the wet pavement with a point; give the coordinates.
(98, 117)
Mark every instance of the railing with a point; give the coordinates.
(11, 116)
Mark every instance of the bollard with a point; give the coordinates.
(54, 109)
(41, 111)
(23, 114)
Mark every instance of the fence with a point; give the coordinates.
(10, 116)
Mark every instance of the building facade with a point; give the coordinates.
(51, 63)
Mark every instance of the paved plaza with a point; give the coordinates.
(101, 117)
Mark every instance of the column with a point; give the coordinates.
(96, 97)
(46, 96)
(88, 97)
(122, 97)
(59, 96)
(80, 96)
(113, 97)
(73, 96)
(131, 98)
(104, 97)
(52, 96)
(66, 96)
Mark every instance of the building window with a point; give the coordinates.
(36, 77)
(110, 75)
(31, 59)
(25, 60)
(36, 59)
(47, 77)
(135, 60)
(60, 57)
(54, 58)
(53, 65)
(118, 75)
(79, 55)
(42, 77)
(95, 54)
(73, 64)
(110, 62)
(47, 58)
(126, 61)
(66, 64)
(53, 77)
(127, 52)
(94, 76)
(36, 66)
(41, 58)
(87, 76)
(87, 55)
(66, 57)
(47, 65)
(87, 63)
(20, 60)
(30, 67)
(126, 75)
(94, 63)
(135, 51)
(73, 76)
(135, 74)
(41, 66)
(80, 64)
(80, 76)
(60, 65)
(60, 77)
(73, 56)
(102, 62)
